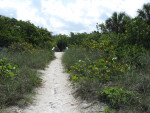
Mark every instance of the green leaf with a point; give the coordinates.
(11, 74)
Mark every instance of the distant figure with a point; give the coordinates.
(53, 48)
(66, 48)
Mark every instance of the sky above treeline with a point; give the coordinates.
(65, 16)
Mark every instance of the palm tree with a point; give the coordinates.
(145, 13)
(117, 22)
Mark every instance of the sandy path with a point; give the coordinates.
(55, 94)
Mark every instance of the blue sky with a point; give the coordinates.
(65, 16)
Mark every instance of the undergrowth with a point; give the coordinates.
(123, 85)
(17, 85)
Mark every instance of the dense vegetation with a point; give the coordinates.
(18, 75)
(12, 30)
(27, 48)
(112, 64)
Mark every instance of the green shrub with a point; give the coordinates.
(12, 30)
(7, 70)
(106, 46)
(62, 42)
(137, 31)
(20, 47)
(46, 45)
(109, 110)
(118, 97)
(102, 69)
(131, 54)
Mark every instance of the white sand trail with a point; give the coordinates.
(54, 96)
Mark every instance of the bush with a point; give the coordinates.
(131, 54)
(103, 69)
(20, 47)
(138, 33)
(117, 97)
(62, 42)
(7, 70)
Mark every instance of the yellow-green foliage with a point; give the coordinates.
(105, 45)
(102, 69)
(20, 47)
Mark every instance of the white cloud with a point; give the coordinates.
(131, 6)
(55, 15)
(23, 9)
(55, 23)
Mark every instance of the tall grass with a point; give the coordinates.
(89, 87)
(73, 55)
(137, 81)
(15, 90)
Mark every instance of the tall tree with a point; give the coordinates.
(116, 23)
(144, 13)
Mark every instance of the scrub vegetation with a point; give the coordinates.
(112, 64)
(26, 49)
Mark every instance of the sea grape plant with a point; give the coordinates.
(7, 69)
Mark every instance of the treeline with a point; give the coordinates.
(127, 30)
(14, 31)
